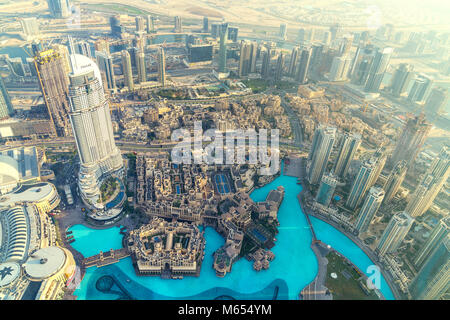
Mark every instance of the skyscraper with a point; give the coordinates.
(161, 67)
(102, 45)
(421, 86)
(141, 67)
(105, 63)
(346, 44)
(370, 207)
(430, 186)
(283, 31)
(223, 33)
(350, 143)
(30, 27)
(401, 79)
(315, 62)
(326, 189)
(116, 26)
(140, 24)
(233, 33)
(280, 66)
(436, 101)
(266, 67)
(54, 83)
(205, 24)
(362, 64)
(253, 56)
(433, 279)
(440, 233)
(150, 24)
(320, 152)
(380, 157)
(83, 48)
(303, 67)
(295, 55)
(339, 68)
(377, 69)
(394, 234)
(326, 38)
(63, 51)
(395, 180)
(93, 132)
(245, 58)
(127, 70)
(177, 24)
(411, 140)
(59, 8)
(335, 31)
(6, 108)
(361, 183)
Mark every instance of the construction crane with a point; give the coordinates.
(366, 105)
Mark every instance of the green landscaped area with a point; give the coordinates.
(107, 189)
(261, 85)
(347, 285)
(257, 85)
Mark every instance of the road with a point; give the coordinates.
(295, 123)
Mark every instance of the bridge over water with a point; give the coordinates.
(106, 258)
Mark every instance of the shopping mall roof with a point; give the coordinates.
(27, 193)
(44, 263)
(9, 271)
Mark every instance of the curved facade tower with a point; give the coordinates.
(92, 128)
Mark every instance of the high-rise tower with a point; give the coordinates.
(54, 83)
(436, 101)
(370, 207)
(326, 189)
(440, 233)
(411, 140)
(127, 70)
(433, 280)
(395, 233)
(361, 183)
(431, 184)
(161, 67)
(93, 132)
(141, 67)
(105, 63)
(223, 33)
(377, 69)
(350, 143)
(320, 152)
(395, 180)
(59, 8)
(401, 79)
(303, 66)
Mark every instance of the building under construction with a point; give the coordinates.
(54, 83)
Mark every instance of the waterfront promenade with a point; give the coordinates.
(316, 290)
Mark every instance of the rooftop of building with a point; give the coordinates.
(28, 193)
(45, 262)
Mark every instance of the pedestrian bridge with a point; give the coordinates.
(105, 258)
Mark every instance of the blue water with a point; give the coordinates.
(294, 266)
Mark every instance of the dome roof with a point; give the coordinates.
(45, 263)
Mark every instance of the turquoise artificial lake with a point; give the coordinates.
(294, 267)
